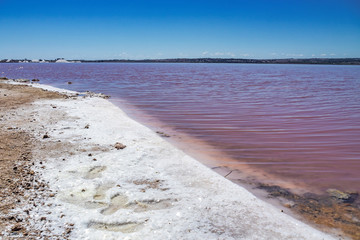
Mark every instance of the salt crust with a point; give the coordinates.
(149, 190)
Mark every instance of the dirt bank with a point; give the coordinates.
(19, 185)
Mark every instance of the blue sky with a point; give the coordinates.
(139, 29)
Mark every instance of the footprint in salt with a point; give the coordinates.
(94, 204)
(147, 205)
(94, 172)
(117, 201)
(81, 198)
(101, 191)
(124, 227)
(121, 201)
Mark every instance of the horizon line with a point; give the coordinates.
(182, 58)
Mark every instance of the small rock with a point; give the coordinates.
(89, 154)
(346, 197)
(119, 146)
(69, 82)
(288, 205)
(163, 134)
(51, 195)
(43, 219)
(87, 126)
(46, 136)
(16, 228)
(22, 80)
(101, 95)
(35, 80)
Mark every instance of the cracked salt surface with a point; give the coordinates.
(150, 189)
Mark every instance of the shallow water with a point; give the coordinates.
(295, 123)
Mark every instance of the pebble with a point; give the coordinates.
(119, 146)
(16, 228)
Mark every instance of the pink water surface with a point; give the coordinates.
(296, 123)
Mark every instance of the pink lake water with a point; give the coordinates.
(294, 124)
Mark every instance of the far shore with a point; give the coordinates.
(318, 61)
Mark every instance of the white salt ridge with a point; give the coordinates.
(150, 189)
(61, 61)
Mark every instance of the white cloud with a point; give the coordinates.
(184, 55)
(294, 55)
(231, 54)
(124, 55)
(218, 54)
(323, 54)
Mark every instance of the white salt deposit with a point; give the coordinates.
(148, 190)
(61, 61)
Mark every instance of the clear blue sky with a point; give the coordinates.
(138, 29)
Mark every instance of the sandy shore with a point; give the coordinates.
(80, 168)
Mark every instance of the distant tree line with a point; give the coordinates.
(328, 61)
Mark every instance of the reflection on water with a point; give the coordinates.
(299, 123)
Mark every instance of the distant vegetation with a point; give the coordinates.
(328, 61)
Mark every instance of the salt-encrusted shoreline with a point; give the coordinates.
(148, 190)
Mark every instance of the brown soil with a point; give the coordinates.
(13, 96)
(19, 185)
(326, 211)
